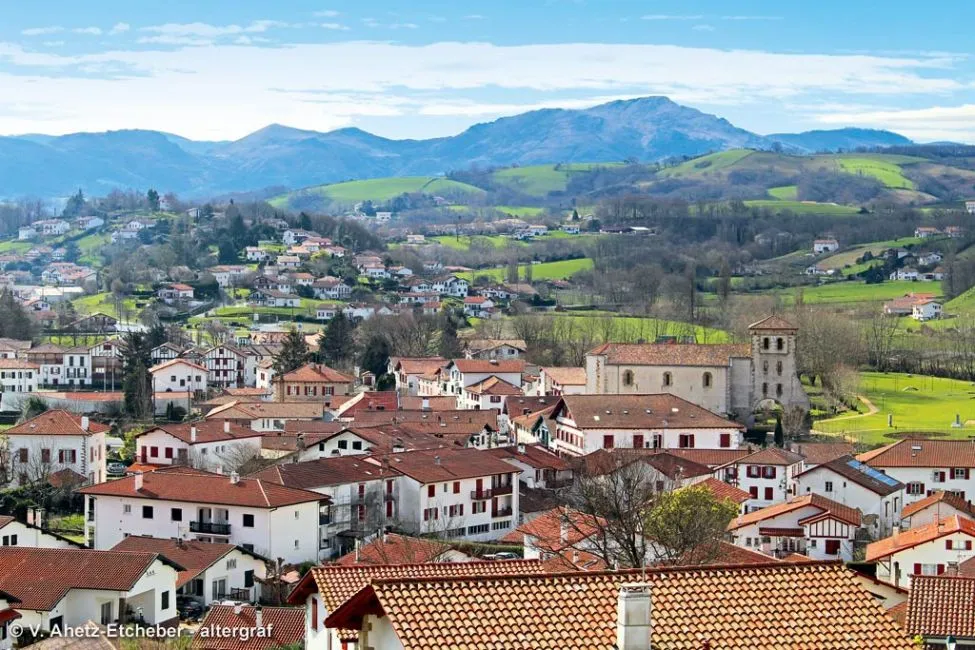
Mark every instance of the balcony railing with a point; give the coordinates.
(209, 528)
(481, 495)
(501, 512)
(500, 490)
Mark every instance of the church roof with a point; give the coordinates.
(773, 322)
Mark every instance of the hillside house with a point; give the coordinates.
(54, 441)
(179, 375)
(311, 382)
(821, 246)
(211, 445)
(904, 306)
(923, 232)
(329, 288)
(925, 550)
(274, 298)
(175, 293)
(926, 310)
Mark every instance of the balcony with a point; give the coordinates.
(324, 519)
(501, 490)
(501, 512)
(209, 528)
(481, 495)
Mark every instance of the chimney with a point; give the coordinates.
(633, 617)
(31, 516)
(193, 433)
(521, 447)
(564, 531)
(258, 617)
(234, 478)
(425, 405)
(85, 423)
(398, 446)
(226, 426)
(436, 460)
(357, 542)
(238, 608)
(138, 481)
(895, 530)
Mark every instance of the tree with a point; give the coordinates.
(686, 526)
(15, 323)
(724, 281)
(779, 435)
(137, 382)
(31, 408)
(450, 346)
(375, 355)
(75, 205)
(336, 342)
(512, 273)
(293, 355)
(152, 198)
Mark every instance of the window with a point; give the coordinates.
(780, 344)
(829, 486)
(22, 455)
(628, 378)
(706, 380)
(314, 613)
(147, 512)
(154, 452)
(248, 521)
(959, 473)
(948, 544)
(431, 491)
(248, 578)
(164, 601)
(45, 455)
(478, 530)
(668, 379)
(658, 440)
(343, 444)
(778, 368)
(778, 390)
(764, 389)
(169, 452)
(753, 491)
(479, 507)
(176, 514)
(725, 440)
(765, 343)
(638, 441)
(686, 441)
(915, 488)
(608, 442)
(127, 509)
(69, 456)
(769, 494)
(361, 512)
(456, 487)
(106, 613)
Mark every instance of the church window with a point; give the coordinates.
(765, 366)
(707, 380)
(668, 379)
(778, 368)
(778, 390)
(780, 343)
(765, 390)
(765, 343)
(628, 378)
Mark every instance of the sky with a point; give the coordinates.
(220, 69)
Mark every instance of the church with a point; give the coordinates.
(730, 379)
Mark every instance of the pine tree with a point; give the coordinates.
(450, 347)
(152, 198)
(375, 356)
(779, 435)
(336, 342)
(137, 382)
(293, 355)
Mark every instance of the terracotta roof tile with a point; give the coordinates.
(40, 577)
(206, 431)
(920, 535)
(494, 386)
(838, 510)
(773, 322)
(817, 453)
(534, 456)
(337, 470)
(728, 608)
(939, 606)
(181, 484)
(396, 549)
(652, 411)
(193, 555)
(418, 365)
(915, 452)
(56, 423)
(672, 354)
(948, 498)
(566, 376)
(313, 372)
(723, 490)
(176, 362)
(258, 410)
(771, 456)
(861, 474)
(286, 624)
(448, 464)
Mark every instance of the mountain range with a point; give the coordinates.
(646, 129)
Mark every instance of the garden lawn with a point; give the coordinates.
(918, 403)
(542, 180)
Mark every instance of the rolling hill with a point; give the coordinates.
(647, 129)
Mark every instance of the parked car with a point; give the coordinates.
(189, 609)
(503, 555)
(116, 469)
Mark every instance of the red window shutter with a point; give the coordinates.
(922, 488)
(431, 491)
(753, 491)
(691, 437)
(947, 544)
(769, 494)
(456, 487)
(607, 442)
(917, 569)
(314, 613)
(725, 440)
(389, 508)
(638, 441)
(772, 472)
(941, 569)
(967, 473)
(968, 544)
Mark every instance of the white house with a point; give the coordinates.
(89, 223)
(767, 475)
(273, 298)
(585, 423)
(54, 441)
(539, 467)
(926, 310)
(478, 307)
(878, 497)
(938, 506)
(226, 367)
(212, 571)
(179, 375)
(228, 275)
(288, 261)
(18, 376)
(326, 311)
(26, 232)
(561, 381)
(60, 588)
(925, 550)
(408, 370)
(329, 288)
(461, 373)
(490, 393)
(52, 227)
(257, 254)
(210, 445)
(18, 533)
(927, 466)
(272, 521)
(175, 292)
(809, 524)
(821, 246)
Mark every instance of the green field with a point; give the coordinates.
(541, 180)
(463, 243)
(560, 270)
(632, 329)
(15, 246)
(858, 292)
(803, 207)
(917, 403)
(379, 190)
(105, 304)
(883, 169)
(842, 258)
(784, 193)
(709, 163)
(90, 248)
(520, 211)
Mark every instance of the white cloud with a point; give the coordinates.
(703, 28)
(205, 30)
(327, 13)
(925, 124)
(335, 26)
(473, 17)
(671, 17)
(53, 43)
(298, 83)
(91, 31)
(40, 31)
(120, 28)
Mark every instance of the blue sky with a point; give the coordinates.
(221, 69)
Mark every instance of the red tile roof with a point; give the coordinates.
(560, 528)
(313, 372)
(672, 354)
(651, 411)
(56, 423)
(448, 464)
(494, 386)
(182, 484)
(939, 606)
(948, 498)
(193, 555)
(723, 490)
(913, 452)
(489, 366)
(534, 456)
(418, 365)
(566, 376)
(206, 431)
(607, 461)
(775, 322)
(771, 456)
(727, 608)
(336, 583)
(286, 625)
(381, 401)
(336, 470)
(176, 362)
(259, 410)
(817, 453)
(41, 577)
(396, 549)
(826, 506)
(920, 535)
